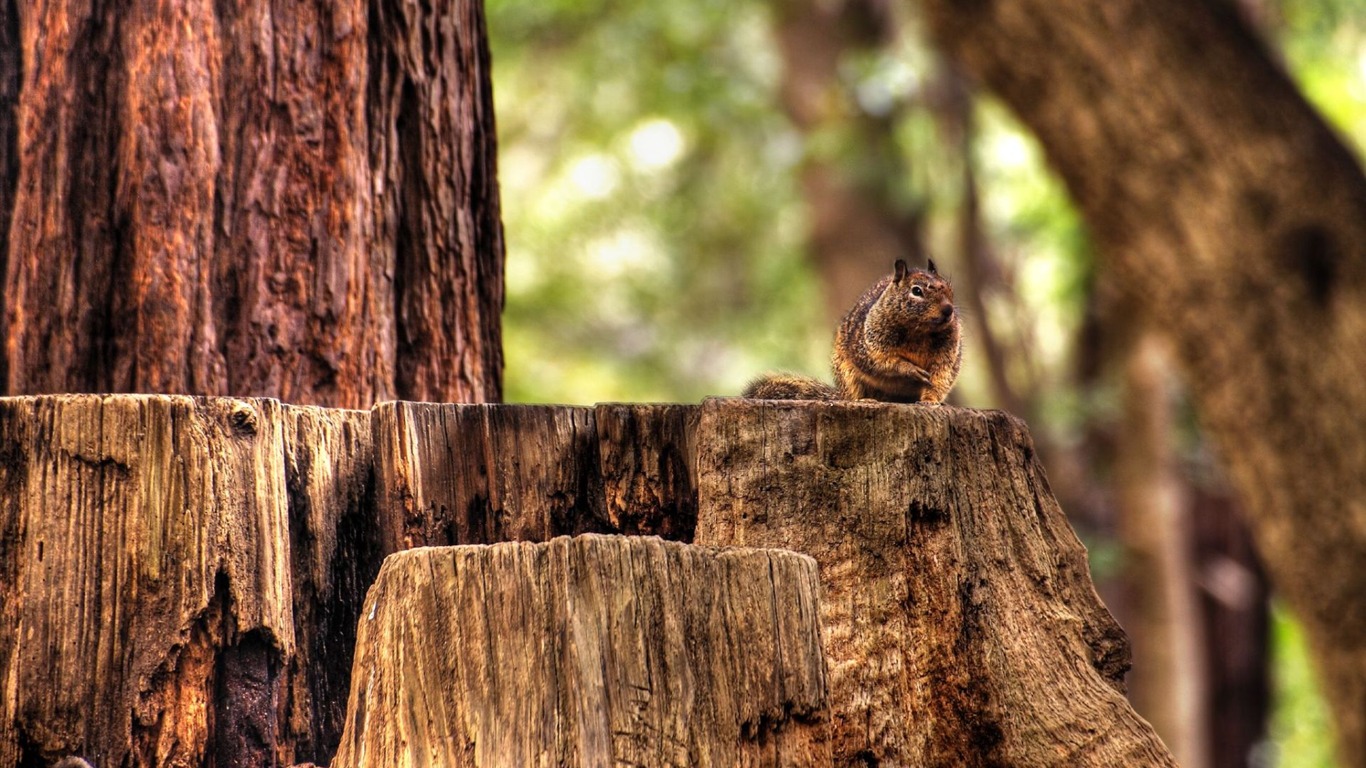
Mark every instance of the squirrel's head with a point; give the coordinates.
(920, 294)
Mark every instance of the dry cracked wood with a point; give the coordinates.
(480, 474)
(961, 626)
(591, 651)
(172, 570)
(181, 577)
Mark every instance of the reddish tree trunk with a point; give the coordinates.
(286, 199)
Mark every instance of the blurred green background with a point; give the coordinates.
(659, 241)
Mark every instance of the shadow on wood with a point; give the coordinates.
(479, 474)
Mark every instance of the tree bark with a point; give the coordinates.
(960, 623)
(1237, 221)
(290, 199)
(179, 578)
(586, 652)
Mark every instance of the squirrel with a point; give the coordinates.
(902, 342)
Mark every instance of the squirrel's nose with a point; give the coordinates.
(945, 313)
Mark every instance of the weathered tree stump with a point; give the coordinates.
(480, 474)
(961, 626)
(335, 553)
(159, 557)
(180, 578)
(588, 651)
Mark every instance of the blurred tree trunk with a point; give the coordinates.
(1167, 683)
(295, 200)
(1194, 598)
(852, 163)
(1234, 597)
(1237, 221)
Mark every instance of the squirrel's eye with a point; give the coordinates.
(917, 291)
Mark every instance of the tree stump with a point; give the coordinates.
(181, 578)
(591, 651)
(158, 555)
(961, 626)
(480, 474)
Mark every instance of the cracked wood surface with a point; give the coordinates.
(961, 626)
(591, 651)
(171, 571)
(182, 577)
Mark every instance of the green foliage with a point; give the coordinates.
(654, 227)
(650, 206)
(1300, 726)
(1324, 43)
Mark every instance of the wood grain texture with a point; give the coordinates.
(180, 582)
(589, 651)
(479, 474)
(645, 459)
(148, 592)
(334, 551)
(960, 623)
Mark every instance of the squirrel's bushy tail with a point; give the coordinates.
(788, 386)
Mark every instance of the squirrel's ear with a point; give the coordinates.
(900, 270)
(933, 271)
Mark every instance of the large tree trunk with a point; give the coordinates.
(294, 200)
(1168, 681)
(1236, 219)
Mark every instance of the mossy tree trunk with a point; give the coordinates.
(283, 199)
(1235, 220)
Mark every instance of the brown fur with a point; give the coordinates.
(787, 386)
(893, 345)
